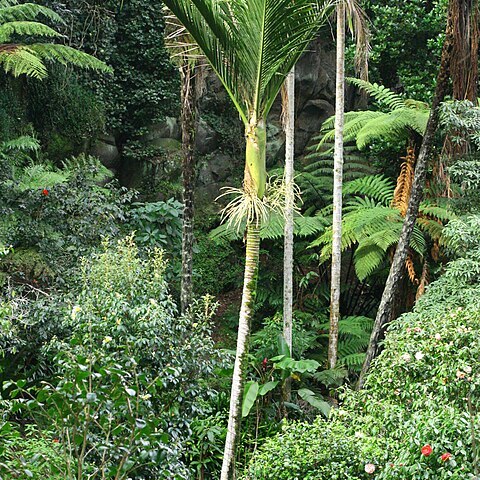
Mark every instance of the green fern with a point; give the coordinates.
(401, 118)
(39, 177)
(29, 59)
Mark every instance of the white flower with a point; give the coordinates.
(468, 369)
(419, 355)
(438, 336)
(370, 468)
(406, 357)
(107, 339)
(75, 310)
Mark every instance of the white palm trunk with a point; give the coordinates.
(337, 190)
(289, 210)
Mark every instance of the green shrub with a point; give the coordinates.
(321, 451)
(131, 375)
(30, 455)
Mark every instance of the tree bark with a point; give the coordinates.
(248, 296)
(187, 72)
(289, 121)
(254, 184)
(396, 270)
(337, 190)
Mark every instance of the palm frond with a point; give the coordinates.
(251, 44)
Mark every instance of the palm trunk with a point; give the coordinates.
(188, 177)
(254, 184)
(396, 271)
(289, 116)
(337, 191)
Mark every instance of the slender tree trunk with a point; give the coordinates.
(254, 184)
(187, 72)
(396, 270)
(337, 190)
(289, 122)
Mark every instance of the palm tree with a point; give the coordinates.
(251, 45)
(29, 58)
(350, 9)
(288, 102)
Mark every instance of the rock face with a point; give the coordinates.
(106, 150)
(220, 160)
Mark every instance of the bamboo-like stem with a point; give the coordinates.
(337, 190)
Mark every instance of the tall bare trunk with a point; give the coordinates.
(254, 182)
(289, 122)
(396, 271)
(337, 190)
(187, 72)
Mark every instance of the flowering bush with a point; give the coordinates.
(417, 418)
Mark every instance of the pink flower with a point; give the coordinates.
(427, 450)
(370, 468)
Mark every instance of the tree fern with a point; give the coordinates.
(29, 59)
(400, 118)
(384, 96)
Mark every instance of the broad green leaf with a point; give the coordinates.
(267, 387)
(249, 397)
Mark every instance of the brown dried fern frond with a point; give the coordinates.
(401, 195)
(424, 280)
(411, 270)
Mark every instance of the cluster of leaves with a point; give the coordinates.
(52, 216)
(121, 400)
(406, 44)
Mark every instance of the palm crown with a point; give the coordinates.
(18, 58)
(251, 44)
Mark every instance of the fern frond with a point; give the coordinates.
(368, 258)
(354, 361)
(20, 60)
(393, 126)
(34, 29)
(411, 270)
(376, 187)
(401, 195)
(11, 12)
(418, 242)
(67, 55)
(40, 176)
(432, 227)
(25, 143)
(384, 96)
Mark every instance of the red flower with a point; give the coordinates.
(446, 456)
(45, 192)
(427, 450)
(264, 363)
(56, 440)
